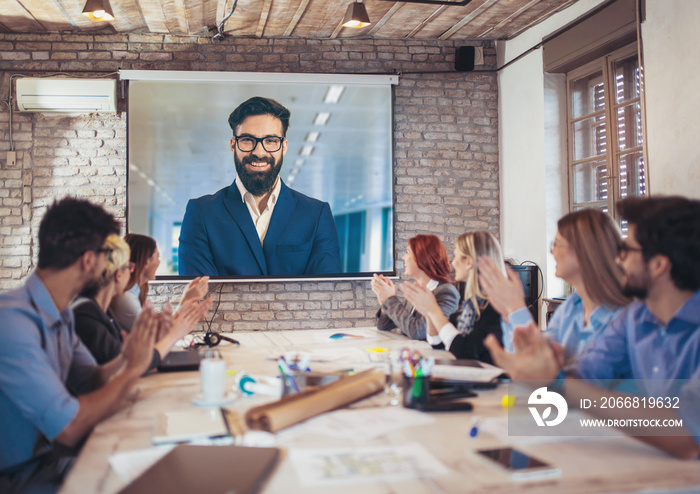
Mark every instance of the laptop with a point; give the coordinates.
(180, 360)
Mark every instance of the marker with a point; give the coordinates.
(475, 428)
(286, 373)
(508, 401)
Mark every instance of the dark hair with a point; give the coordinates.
(595, 240)
(257, 105)
(70, 228)
(142, 248)
(669, 226)
(431, 257)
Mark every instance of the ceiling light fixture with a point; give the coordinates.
(356, 16)
(333, 94)
(322, 118)
(98, 10)
(312, 136)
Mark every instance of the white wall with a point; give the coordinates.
(532, 197)
(671, 52)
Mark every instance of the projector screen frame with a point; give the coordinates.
(274, 78)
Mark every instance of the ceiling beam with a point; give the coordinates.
(512, 16)
(262, 22)
(425, 21)
(295, 19)
(479, 10)
(383, 20)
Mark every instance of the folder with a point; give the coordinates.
(298, 407)
(191, 469)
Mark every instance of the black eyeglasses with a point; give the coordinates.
(106, 250)
(624, 249)
(247, 143)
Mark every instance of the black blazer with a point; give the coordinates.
(100, 332)
(471, 346)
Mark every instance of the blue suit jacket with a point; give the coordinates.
(218, 237)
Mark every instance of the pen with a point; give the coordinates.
(475, 428)
(284, 370)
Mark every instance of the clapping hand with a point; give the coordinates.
(422, 299)
(195, 290)
(534, 358)
(383, 288)
(505, 294)
(137, 349)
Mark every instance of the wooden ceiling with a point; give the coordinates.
(316, 19)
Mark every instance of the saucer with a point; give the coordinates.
(226, 400)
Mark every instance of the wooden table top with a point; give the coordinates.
(613, 464)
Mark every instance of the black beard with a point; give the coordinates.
(637, 287)
(639, 292)
(91, 288)
(255, 182)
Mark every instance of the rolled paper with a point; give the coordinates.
(298, 407)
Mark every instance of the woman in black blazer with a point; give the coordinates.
(464, 332)
(99, 329)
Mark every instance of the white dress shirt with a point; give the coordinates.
(261, 219)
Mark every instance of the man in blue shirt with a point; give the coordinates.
(52, 393)
(655, 340)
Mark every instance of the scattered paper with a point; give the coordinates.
(130, 464)
(498, 427)
(484, 374)
(359, 424)
(341, 466)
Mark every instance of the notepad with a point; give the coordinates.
(189, 425)
(465, 370)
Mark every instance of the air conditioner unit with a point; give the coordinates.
(36, 94)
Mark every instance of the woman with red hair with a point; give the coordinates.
(463, 334)
(427, 263)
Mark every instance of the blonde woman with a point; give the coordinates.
(145, 259)
(464, 332)
(102, 333)
(584, 248)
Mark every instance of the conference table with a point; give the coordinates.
(603, 464)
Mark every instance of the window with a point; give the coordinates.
(606, 161)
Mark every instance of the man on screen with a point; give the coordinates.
(258, 225)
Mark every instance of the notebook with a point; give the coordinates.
(180, 360)
(189, 425)
(465, 371)
(191, 469)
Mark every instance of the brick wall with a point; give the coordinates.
(446, 155)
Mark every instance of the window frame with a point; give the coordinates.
(613, 153)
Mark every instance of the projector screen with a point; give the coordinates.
(340, 152)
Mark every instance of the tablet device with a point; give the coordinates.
(519, 465)
(180, 360)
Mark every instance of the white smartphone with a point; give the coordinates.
(519, 465)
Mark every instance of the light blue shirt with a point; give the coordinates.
(567, 326)
(40, 354)
(663, 359)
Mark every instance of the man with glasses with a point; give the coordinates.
(52, 393)
(654, 341)
(258, 225)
